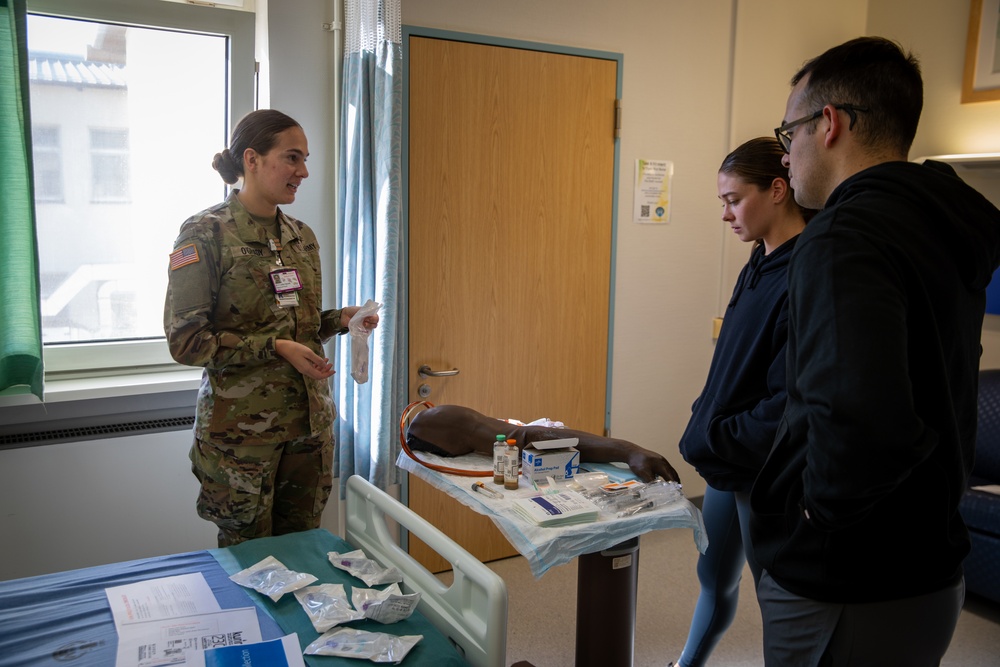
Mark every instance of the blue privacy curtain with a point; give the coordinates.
(20, 319)
(371, 264)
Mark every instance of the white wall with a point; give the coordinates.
(78, 504)
(302, 72)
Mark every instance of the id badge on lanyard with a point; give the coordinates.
(285, 279)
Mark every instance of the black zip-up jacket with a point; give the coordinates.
(734, 420)
(858, 500)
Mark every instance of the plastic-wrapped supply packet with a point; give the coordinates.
(271, 578)
(661, 492)
(359, 340)
(628, 498)
(374, 646)
(387, 606)
(327, 606)
(365, 569)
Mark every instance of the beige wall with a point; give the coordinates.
(773, 39)
(935, 30)
(680, 75)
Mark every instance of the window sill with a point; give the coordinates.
(60, 390)
(166, 396)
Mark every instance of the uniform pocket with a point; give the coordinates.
(246, 296)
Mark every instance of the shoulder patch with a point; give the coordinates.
(183, 256)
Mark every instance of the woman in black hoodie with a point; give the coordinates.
(733, 422)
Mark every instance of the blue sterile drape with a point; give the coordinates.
(371, 262)
(20, 318)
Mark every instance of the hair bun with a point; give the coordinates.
(224, 164)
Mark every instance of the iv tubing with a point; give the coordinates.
(432, 466)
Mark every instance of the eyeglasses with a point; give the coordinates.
(785, 137)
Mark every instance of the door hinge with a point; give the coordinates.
(618, 119)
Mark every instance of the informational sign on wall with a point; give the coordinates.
(652, 191)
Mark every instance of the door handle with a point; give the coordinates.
(426, 372)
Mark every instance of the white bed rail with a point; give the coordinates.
(471, 612)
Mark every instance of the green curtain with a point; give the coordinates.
(20, 319)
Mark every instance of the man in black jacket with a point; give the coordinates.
(855, 513)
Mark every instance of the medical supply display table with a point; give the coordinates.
(608, 550)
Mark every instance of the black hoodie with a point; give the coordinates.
(733, 422)
(858, 500)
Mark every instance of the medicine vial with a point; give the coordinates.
(499, 458)
(510, 469)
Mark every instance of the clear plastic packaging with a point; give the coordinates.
(587, 481)
(359, 340)
(628, 498)
(374, 646)
(387, 606)
(369, 571)
(327, 606)
(271, 578)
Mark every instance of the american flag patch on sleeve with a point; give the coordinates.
(183, 256)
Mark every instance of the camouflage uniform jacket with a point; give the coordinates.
(221, 313)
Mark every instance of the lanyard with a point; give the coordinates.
(275, 245)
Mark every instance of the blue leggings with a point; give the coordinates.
(720, 568)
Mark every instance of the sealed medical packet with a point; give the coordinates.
(271, 578)
(358, 564)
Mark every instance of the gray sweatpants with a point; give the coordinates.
(911, 632)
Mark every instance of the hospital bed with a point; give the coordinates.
(472, 611)
(64, 617)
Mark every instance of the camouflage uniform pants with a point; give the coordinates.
(260, 490)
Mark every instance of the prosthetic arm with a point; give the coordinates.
(454, 430)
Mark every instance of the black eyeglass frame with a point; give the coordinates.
(785, 139)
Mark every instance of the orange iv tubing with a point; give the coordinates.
(433, 466)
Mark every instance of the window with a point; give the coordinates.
(129, 102)
(109, 171)
(48, 163)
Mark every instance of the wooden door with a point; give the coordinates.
(511, 173)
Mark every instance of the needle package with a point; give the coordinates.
(327, 606)
(365, 569)
(271, 578)
(388, 606)
(374, 646)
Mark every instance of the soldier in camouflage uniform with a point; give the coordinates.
(244, 302)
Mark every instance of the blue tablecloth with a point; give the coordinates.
(64, 619)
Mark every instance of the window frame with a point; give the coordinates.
(74, 361)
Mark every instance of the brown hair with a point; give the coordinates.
(758, 162)
(258, 130)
